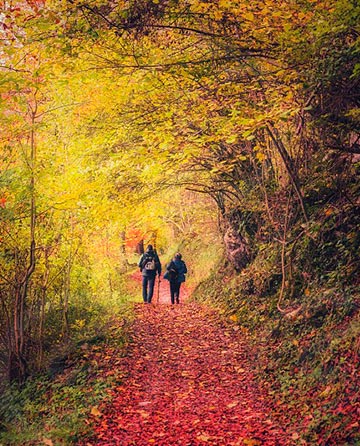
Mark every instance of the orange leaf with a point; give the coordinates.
(95, 411)
(233, 404)
(203, 437)
(251, 442)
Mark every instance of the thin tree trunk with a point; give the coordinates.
(67, 290)
(289, 166)
(18, 365)
(66, 330)
(42, 310)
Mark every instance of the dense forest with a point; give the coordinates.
(229, 130)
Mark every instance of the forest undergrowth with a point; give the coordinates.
(54, 407)
(308, 358)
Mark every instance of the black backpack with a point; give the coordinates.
(173, 272)
(149, 262)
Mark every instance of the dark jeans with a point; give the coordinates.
(175, 291)
(148, 288)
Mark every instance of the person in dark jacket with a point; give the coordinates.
(175, 273)
(149, 265)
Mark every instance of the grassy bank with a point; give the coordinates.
(55, 407)
(308, 357)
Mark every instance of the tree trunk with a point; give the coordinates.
(17, 359)
(289, 166)
(237, 245)
(42, 310)
(65, 330)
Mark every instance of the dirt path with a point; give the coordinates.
(162, 292)
(187, 382)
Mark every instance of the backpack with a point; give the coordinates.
(149, 263)
(173, 273)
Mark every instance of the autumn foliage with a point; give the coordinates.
(226, 129)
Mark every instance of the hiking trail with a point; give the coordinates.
(187, 381)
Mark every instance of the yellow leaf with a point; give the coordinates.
(231, 139)
(225, 3)
(95, 411)
(260, 156)
(249, 16)
(307, 292)
(218, 15)
(48, 442)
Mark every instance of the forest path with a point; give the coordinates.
(188, 380)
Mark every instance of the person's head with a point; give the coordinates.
(178, 256)
(150, 248)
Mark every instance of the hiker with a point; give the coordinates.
(149, 265)
(175, 274)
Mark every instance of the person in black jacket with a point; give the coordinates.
(175, 274)
(149, 265)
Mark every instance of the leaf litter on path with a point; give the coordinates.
(187, 383)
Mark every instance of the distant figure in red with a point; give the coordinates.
(175, 274)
